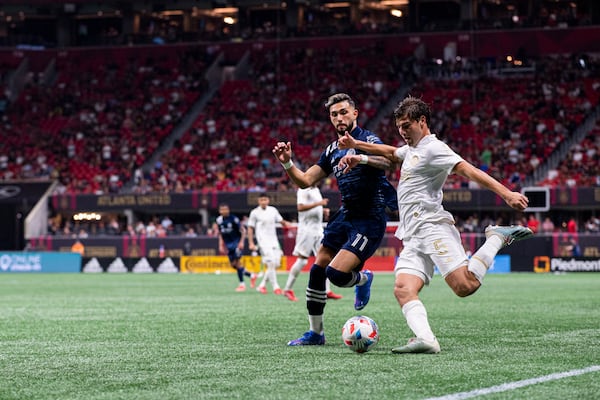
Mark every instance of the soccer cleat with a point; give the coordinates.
(309, 338)
(241, 288)
(290, 295)
(278, 291)
(261, 289)
(362, 294)
(333, 296)
(253, 280)
(416, 345)
(508, 234)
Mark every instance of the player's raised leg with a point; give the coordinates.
(497, 237)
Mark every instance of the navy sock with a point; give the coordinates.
(240, 272)
(316, 297)
(342, 279)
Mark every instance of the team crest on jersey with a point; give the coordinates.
(414, 160)
(351, 152)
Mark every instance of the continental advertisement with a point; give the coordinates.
(220, 264)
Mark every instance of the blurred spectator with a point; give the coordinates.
(547, 226)
(151, 229)
(190, 233)
(572, 225)
(167, 223)
(533, 223)
(574, 247)
(140, 228)
(592, 225)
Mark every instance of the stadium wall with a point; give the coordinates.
(241, 202)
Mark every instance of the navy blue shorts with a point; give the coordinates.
(361, 236)
(233, 252)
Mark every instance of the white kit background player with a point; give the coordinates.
(262, 226)
(310, 205)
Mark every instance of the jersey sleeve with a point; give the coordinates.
(252, 219)
(400, 152)
(443, 157)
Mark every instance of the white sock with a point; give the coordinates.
(416, 317)
(294, 272)
(316, 323)
(327, 286)
(272, 273)
(265, 277)
(484, 257)
(363, 279)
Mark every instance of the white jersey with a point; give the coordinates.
(264, 222)
(310, 223)
(424, 171)
(310, 219)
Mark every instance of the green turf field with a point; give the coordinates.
(130, 336)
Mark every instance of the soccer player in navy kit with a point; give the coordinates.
(231, 241)
(354, 232)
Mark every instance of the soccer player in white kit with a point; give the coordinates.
(427, 230)
(262, 225)
(310, 204)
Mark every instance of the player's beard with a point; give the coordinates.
(343, 128)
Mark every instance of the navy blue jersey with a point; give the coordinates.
(365, 189)
(230, 229)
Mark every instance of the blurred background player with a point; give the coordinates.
(311, 211)
(232, 235)
(262, 226)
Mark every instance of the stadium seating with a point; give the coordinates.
(108, 111)
(228, 148)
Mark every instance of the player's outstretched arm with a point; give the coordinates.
(385, 157)
(348, 142)
(515, 200)
(283, 152)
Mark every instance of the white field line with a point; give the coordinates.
(517, 384)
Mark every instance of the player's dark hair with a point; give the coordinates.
(413, 108)
(264, 194)
(338, 98)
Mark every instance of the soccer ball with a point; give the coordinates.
(360, 334)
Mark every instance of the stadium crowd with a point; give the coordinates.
(95, 126)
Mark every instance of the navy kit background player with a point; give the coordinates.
(232, 235)
(354, 232)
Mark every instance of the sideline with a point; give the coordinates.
(517, 384)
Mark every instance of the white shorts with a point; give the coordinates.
(434, 245)
(307, 243)
(271, 255)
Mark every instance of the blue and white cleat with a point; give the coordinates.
(508, 234)
(362, 293)
(309, 338)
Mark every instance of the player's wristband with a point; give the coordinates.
(364, 159)
(288, 165)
